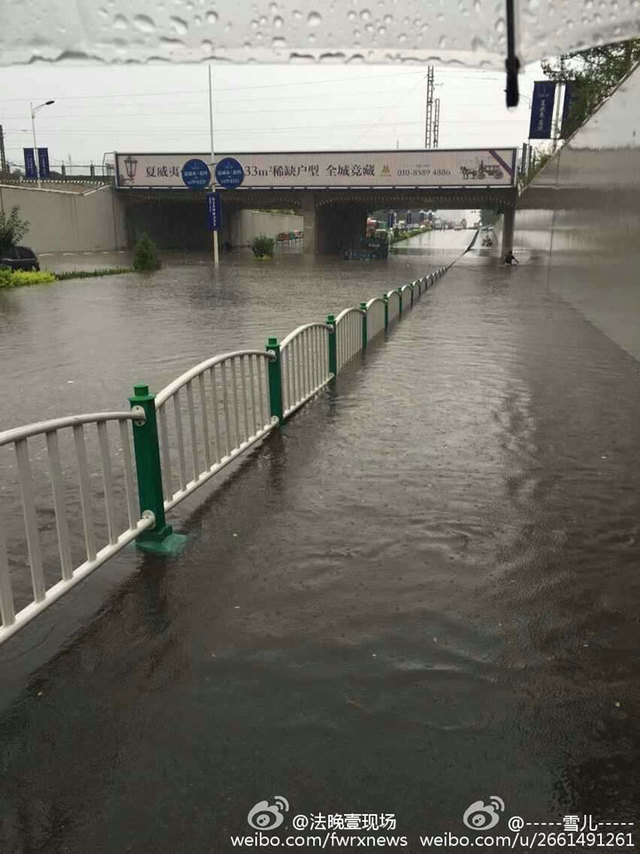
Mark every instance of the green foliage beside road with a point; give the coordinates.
(145, 255)
(594, 73)
(262, 247)
(12, 229)
(17, 278)
(92, 274)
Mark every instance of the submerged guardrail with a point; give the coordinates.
(182, 437)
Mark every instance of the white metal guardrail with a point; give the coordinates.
(218, 409)
(348, 335)
(305, 364)
(375, 309)
(70, 571)
(182, 437)
(393, 303)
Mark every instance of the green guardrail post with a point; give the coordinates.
(413, 285)
(399, 292)
(363, 308)
(386, 311)
(160, 539)
(333, 350)
(275, 381)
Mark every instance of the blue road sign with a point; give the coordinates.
(30, 170)
(196, 174)
(391, 219)
(544, 94)
(214, 217)
(43, 163)
(229, 173)
(409, 218)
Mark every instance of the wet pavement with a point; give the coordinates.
(420, 593)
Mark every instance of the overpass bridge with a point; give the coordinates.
(333, 191)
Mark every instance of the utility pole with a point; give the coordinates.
(428, 127)
(216, 255)
(4, 172)
(436, 123)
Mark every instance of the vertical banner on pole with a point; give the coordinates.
(544, 93)
(30, 170)
(213, 211)
(570, 97)
(43, 163)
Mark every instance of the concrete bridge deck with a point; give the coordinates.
(422, 592)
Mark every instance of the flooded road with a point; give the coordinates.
(420, 593)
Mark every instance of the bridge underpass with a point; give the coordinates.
(333, 219)
(333, 191)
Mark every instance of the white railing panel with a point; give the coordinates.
(348, 335)
(394, 305)
(304, 356)
(375, 317)
(66, 507)
(225, 402)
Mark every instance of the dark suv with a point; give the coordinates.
(19, 258)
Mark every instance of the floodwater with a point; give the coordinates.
(421, 593)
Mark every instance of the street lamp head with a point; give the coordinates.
(47, 103)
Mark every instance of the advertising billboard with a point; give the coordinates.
(346, 169)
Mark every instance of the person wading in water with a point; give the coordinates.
(509, 258)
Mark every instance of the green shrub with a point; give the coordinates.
(90, 274)
(17, 278)
(12, 229)
(145, 255)
(262, 246)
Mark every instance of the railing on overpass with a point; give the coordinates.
(182, 437)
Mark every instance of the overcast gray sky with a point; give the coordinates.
(256, 108)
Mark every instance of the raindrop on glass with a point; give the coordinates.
(144, 24)
(314, 19)
(179, 25)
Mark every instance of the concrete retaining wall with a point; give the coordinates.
(67, 221)
(246, 224)
(581, 217)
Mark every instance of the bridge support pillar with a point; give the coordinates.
(308, 211)
(508, 228)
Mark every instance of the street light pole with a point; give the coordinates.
(216, 256)
(34, 110)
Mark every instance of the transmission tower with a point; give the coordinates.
(428, 127)
(436, 123)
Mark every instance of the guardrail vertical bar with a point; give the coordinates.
(275, 380)
(385, 299)
(129, 486)
(205, 421)
(192, 431)
(160, 539)
(57, 487)
(333, 354)
(363, 308)
(7, 609)
(161, 416)
(85, 491)
(216, 419)
(30, 521)
(107, 481)
(399, 292)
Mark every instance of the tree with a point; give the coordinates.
(594, 74)
(145, 255)
(12, 229)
